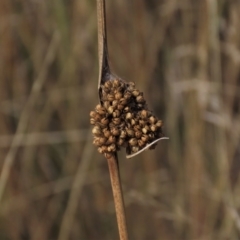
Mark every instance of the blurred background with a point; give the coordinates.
(184, 55)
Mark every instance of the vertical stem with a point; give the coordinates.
(117, 195)
(102, 41)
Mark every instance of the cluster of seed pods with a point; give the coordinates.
(123, 119)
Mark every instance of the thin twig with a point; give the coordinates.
(102, 41)
(23, 121)
(117, 195)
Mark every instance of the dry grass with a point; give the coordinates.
(186, 58)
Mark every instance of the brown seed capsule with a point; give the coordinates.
(153, 128)
(159, 123)
(96, 141)
(141, 143)
(106, 104)
(142, 123)
(98, 107)
(123, 101)
(116, 83)
(128, 115)
(140, 99)
(112, 148)
(144, 130)
(110, 97)
(135, 92)
(96, 131)
(100, 150)
(98, 117)
(138, 134)
(106, 90)
(123, 134)
(102, 111)
(127, 95)
(105, 121)
(120, 107)
(140, 106)
(92, 114)
(145, 138)
(126, 109)
(116, 113)
(152, 119)
(130, 132)
(102, 140)
(131, 84)
(134, 149)
(106, 133)
(108, 84)
(110, 109)
(118, 95)
(133, 142)
(116, 121)
(133, 121)
(144, 113)
(120, 142)
(137, 128)
(115, 103)
(92, 121)
(115, 131)
(111, 140)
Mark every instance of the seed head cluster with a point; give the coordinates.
(123, 119)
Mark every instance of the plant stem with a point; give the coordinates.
(117, 195)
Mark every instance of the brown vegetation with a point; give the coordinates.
(184, 55)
